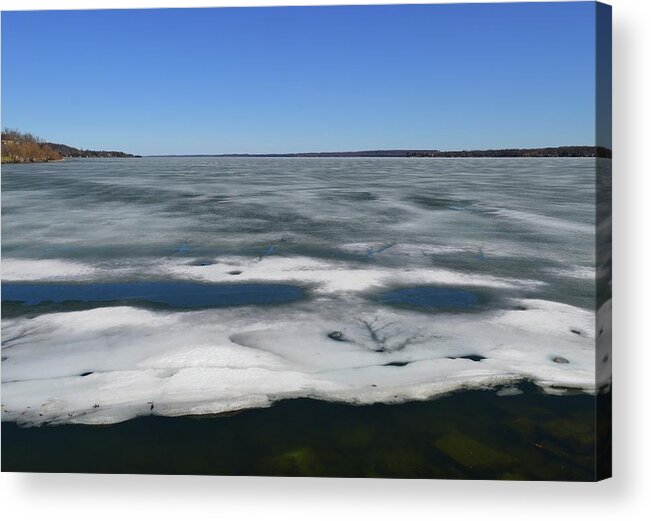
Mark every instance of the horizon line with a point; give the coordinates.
(380, 151)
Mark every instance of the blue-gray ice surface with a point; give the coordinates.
(415, 277)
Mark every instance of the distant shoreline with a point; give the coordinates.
(23, 147)
(64, 151)
(565, 151)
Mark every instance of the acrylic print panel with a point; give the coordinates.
(363, 241)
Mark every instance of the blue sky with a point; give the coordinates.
(186, 81)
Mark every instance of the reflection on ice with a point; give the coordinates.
(173, 294)
(431, 298)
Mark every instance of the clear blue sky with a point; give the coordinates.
(303, 79)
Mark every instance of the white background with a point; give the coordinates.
(625, 497)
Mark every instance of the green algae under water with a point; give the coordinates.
(465, 435)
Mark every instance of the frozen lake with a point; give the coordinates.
(206, 285)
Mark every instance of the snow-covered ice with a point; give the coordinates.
(345, 231)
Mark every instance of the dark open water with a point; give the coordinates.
(469, 435)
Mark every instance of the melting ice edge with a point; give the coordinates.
(349, 336)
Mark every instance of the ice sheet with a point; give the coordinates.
(58, 367)
(516, 233)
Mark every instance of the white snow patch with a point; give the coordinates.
(332, 277)
(214, 361)
(30, 269)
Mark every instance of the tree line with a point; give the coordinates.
(565, 151)
(22, 147)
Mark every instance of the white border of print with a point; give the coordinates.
(626, 496)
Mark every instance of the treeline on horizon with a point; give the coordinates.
(565, 151)
(68, 151)
(23, 147)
